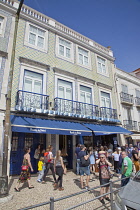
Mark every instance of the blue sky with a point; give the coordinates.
(114, 23)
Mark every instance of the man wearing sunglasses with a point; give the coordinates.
(104, 176)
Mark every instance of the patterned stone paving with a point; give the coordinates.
(43, 192)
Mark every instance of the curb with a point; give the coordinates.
(6, 199)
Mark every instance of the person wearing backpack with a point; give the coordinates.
(49, 161)
(84, 166)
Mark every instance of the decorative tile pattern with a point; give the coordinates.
(51, 60)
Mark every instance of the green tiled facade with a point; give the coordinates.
(49, 58)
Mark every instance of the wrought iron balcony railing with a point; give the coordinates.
(130, 125)
(29, 101)
(108, 113)
(137, 101)
(71, 107)
(126, 98)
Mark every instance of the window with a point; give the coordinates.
(33, 82)
(124, 88)
(83, 57)
(105, 100)
(127, 113)
(137, 93)
(85, 94)
(64, 92)
(64, 48)
(1, 24)
(101, 65)
(64, 89)
(36, 36)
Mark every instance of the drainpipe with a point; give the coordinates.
(7, 127)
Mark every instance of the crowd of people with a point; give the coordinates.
(104, 160)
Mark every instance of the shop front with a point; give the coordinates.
(33, 131)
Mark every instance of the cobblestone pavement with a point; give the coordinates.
(42, 193)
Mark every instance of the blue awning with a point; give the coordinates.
(107, 129)
(37, 125)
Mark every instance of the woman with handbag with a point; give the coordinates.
(25, 170)
(104, 176)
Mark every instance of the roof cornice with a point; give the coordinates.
(127, 76)
(36, 17)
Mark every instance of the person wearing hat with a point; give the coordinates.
(135, 157)
(104, 176)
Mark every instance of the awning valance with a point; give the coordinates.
(107, 129)
(37, 125)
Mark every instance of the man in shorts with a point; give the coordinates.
(126, 168)
(84, 169)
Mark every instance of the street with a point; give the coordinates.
(42, 193)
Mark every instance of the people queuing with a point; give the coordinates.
(59, 170)
(135, 158)
(88, 161)
(104, 176)
(84, 166)
(77, 150)
(116, 155)
(65, 161)
(92, 160)
(49, 163)
(126, 168)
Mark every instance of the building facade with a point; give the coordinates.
(63, 89)
(128, 95)
(7, 22)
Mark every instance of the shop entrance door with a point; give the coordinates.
(18, 143)
(66, 146)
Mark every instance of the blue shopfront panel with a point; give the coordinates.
(37, 125)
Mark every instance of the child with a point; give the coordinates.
(59, 169)
(40, 169)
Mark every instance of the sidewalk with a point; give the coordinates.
(43, 192)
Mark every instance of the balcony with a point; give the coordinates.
(108, 113)
(130, 125)
(32, 102)
(126, 98)
(75, 108)
(137, 101)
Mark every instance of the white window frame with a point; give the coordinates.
(68, 79)
(33, 80)
(89, 57)
(106, 66)
(65, 89)
(2, 30)
(0, 62)
(71, 59)
(126, 86)
(35, 70)
(106, 91)
(86, 84)
(26, 38)
(136, 89)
